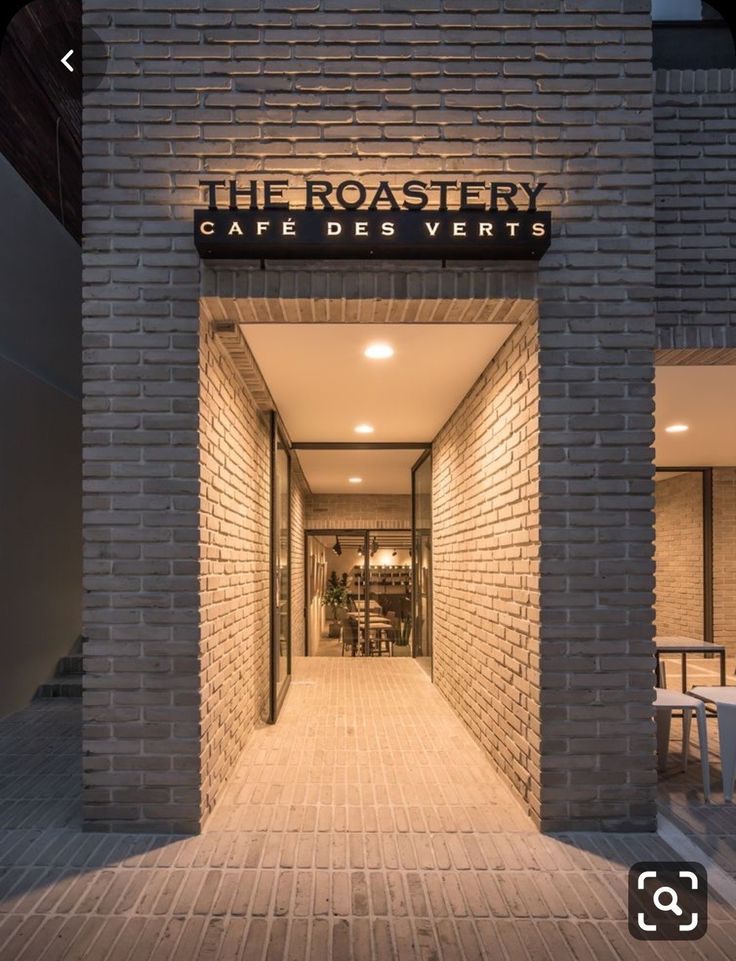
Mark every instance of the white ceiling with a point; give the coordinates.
(323, 385)
(383, 471)
(704, 398)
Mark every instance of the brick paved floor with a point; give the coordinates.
(366, 824)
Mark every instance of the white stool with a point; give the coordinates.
(668, 701)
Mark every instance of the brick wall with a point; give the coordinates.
(695, 124)
(724, 559)
(344, 511)
(485, 552)
(525, 90)
(678, 555)
(141, 747)
(596, 339)
(234, 566)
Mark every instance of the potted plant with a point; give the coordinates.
(336, 597)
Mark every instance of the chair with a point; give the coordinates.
(665, 703)
(379, 639)
(349, 635)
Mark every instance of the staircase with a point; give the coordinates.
(67, 679)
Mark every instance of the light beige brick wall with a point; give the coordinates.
(234, 566)
(678, 555)
(485, 543)
(724, 559)
(344, 511)
(299, 495)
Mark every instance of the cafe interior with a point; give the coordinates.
(695, 592)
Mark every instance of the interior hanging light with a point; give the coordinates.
(337, 546)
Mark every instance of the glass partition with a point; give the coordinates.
(335, 588)
(359, 599)
(280, 570)
(422, 559)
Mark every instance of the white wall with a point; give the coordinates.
(40, 441)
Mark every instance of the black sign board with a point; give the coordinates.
(416, 220)
(366, 234)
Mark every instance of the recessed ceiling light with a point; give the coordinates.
(355, 480)
(378, 351)
(676, 429)
(364, 429)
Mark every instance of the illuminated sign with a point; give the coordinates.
(417, 220)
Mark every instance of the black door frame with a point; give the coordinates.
(414, 565)
(276, 696)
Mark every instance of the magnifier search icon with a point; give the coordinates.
(671, 904)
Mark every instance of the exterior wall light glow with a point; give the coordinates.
(364, 429)
(378, 351)
(676, 429)
(355, 480)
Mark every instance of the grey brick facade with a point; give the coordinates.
(695, 123)
(561, 93)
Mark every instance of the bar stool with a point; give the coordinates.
(665, 703)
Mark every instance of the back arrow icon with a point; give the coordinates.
(65, 60)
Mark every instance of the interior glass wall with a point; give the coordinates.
(359, 593)
(280, 570)
(332, 558)
(422, 559)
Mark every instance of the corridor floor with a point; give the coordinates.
(365, 825)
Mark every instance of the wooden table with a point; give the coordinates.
(684, 646)
(724, 699)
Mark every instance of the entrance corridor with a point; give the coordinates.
(365, 824)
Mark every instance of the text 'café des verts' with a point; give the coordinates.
(446, 219)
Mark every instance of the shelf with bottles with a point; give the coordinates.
(384, 576)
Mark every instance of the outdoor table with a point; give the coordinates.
(724, 699)
(684, 646)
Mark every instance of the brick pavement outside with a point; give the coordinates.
(365, 824)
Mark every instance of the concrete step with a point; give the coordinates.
(66, 685)
(71, 664)
(67, 679)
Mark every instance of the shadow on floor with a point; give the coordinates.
(42, 844)
(367, 823)
(41, 774)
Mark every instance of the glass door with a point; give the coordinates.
(389, 592)
(280, 568)
(421, 488)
